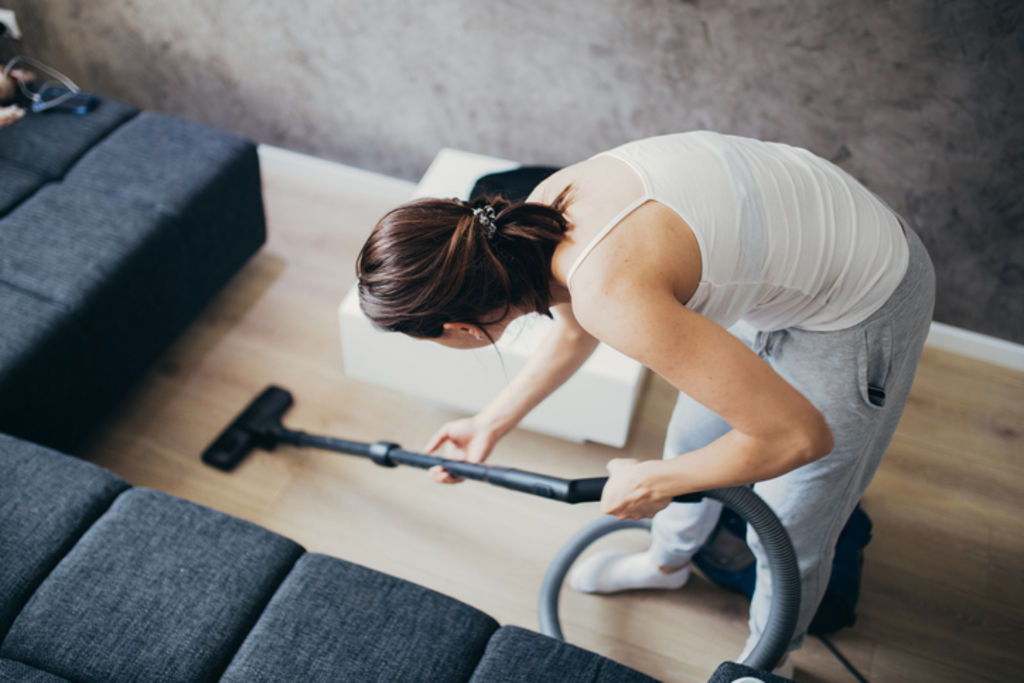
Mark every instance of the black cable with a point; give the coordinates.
(839, 655)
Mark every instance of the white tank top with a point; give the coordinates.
(787, 239)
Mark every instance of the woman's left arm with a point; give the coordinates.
(775, 429)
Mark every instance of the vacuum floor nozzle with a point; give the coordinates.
(258, 426)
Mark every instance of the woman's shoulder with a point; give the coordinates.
(602, 177)
(548, 190)
(597, 190)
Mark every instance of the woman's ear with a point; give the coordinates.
(465, 330)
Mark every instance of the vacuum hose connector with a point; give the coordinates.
(380, 453)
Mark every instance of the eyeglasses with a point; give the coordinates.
(50, 94)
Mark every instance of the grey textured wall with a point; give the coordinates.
(920, 99)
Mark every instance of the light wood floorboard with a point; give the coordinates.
(943, 591)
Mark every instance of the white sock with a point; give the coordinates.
(613, 572)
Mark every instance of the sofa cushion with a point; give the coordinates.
(47, 501)
(29, 321)
(515, 655)
(208, 180)
(18, 183)
(93, 287)
(163, 160)
(69, 244)
(333, 620)
(158, 589)
(16, 672)
(51, 142)
(144, 229)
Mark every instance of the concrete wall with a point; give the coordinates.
(920, 99)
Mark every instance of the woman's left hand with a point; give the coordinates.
(630, 493)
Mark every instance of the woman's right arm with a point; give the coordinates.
(560, 354)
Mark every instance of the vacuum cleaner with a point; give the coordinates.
(260, 426)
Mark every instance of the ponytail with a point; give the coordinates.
(433, 261)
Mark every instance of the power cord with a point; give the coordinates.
(845, 662)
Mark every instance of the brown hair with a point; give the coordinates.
(433, 261)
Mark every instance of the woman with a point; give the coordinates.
(787, 303)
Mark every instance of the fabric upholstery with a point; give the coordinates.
(18, 183)
(143, 219)
(29, 321)
(207, 180)
(333, 620)
(16, 672)
(108, 302)
(515, 655)
(158, 589)
(47, 501)
(102, 582)
(51, 142)
(66, 244)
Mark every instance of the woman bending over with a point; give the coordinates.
(785, 302)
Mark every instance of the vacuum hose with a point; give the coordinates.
(785, 594)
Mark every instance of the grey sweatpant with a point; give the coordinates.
(845, 374)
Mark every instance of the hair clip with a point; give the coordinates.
(485, 217)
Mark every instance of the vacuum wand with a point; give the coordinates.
(389, 454)
(259, 426)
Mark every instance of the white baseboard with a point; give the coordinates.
(975, 345)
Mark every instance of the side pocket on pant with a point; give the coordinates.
(874, 363)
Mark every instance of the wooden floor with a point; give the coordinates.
(943, 591)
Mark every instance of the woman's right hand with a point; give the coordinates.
(467, 439)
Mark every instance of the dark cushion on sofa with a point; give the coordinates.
(161, 160)
(108, 300)
(145, 219)
(158, 589)
(333, 620)
(153, 587)
(18, 183)
(29, 320)
(515, 655)
(67, 244)
(16, 672)
(208, 181)
(48, 501)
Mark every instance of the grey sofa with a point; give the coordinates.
(104, 582)
(116, 227)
